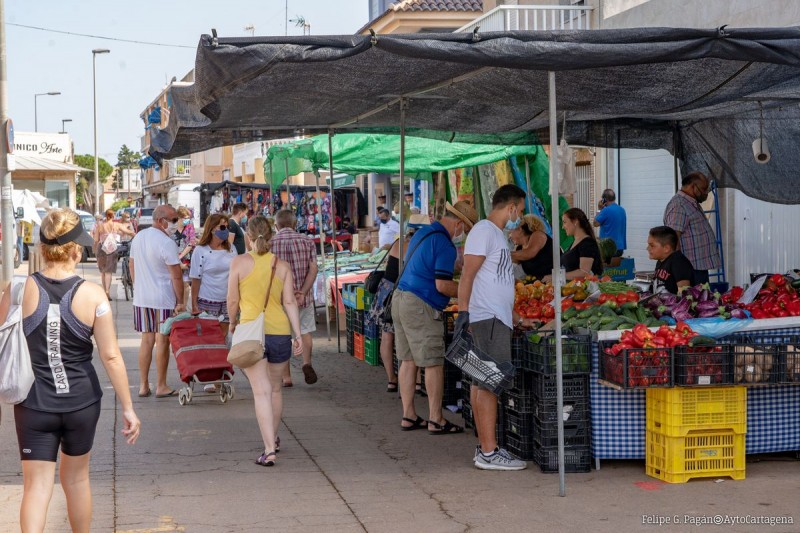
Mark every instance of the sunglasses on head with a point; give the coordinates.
(173, 220)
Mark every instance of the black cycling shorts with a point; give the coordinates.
(39, 434)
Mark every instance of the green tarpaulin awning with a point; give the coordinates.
(355, 153)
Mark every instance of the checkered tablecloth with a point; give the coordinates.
(619, 418)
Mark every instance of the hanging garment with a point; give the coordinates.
(566, 169)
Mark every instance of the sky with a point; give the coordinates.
(131, 75)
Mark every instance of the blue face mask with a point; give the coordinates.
(244, 219)
(187, 221)
(384, 221)
(221, 234)
(514, 224)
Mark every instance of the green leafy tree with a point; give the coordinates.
(85, 188)
(126, 159)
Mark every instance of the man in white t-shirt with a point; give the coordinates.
(485, 303)
(157, 294)
(389, 229)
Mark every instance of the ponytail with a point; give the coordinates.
(259, 231)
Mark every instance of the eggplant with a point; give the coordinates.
(681, 315)
(703, 296)
(694, 292)
(707, 306)
(668, 298)
(681, 307)
(709, 313)
(738, 313)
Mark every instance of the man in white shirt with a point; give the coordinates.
(157, 294)
(485, 303)
(388, 231)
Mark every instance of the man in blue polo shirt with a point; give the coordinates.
(423, 290)
(613, 221)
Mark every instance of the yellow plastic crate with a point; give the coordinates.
(360, 298)
(677, 411)
(699, 454)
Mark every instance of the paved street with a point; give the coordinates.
(345, 466)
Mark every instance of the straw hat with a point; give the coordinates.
(464, 211)
(418, 220)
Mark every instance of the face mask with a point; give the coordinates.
(384, 221)
(459, 239)
(172, 228)
(221, 234)
(513, 224)
(187, 221)
(244, 219)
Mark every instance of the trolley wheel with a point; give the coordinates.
(223, 394)
(181, 397)
(188, 394)
(230, 390)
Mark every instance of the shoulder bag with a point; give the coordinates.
(247, 341)
(372, 281)
(387, 303)
(16, 371)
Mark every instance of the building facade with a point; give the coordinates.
(43, 163)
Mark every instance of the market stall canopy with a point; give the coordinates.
(362, 153)
(698, 93)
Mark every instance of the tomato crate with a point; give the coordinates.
(545, 388)
(697, 366)
(756, 364)
(358, 346)
(678, 411)
(519, 424)
(520, 448)
(576, 433)
(577, 459)
(636, 368)
(540, 353)
(698, 454)
(372, 351)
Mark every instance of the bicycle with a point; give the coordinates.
(126, 280)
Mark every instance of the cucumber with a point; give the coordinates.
(610, 326)
(633, 306)
(702, 340)
(608, 320)
(586, 313)
(630, 315)
(569, 313)
(629, 321)
(605, 310)
(641, 315)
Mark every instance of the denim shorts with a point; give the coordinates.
(277, 348)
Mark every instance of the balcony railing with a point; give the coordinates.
(180, 167)
(510, 18)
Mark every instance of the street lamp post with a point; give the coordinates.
(63, 120)
(96, 164)
(36, 107)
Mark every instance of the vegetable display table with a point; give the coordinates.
(619, 421)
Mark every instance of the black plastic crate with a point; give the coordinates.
(520, 448)
(636, 368)
(540, 353)
(576, 433)
(791, 354)
(481, 367)
(575, 387)
(697, 366)
(577, 459)
(521, 401)
(518, 342)
(757, 363)
(358, 322)
(449, 323)
(466, 413)
(547, 412)
(519, 424)
(500, 427)
(787, 352)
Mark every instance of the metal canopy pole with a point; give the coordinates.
(529, 195)
(271, 192)
(288, 193)
(322, 251)
(401, 201)
(333, 242)
(556, 219)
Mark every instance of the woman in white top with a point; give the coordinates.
(107, 262)
(211, 263)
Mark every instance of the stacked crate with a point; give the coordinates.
(696, 433)
(540, 361)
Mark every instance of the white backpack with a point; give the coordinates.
(16, 372)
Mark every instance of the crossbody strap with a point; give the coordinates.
(411, 253)
(271, 277)
(381, 261)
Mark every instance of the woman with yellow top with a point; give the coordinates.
(248, 283)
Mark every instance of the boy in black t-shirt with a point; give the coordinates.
(673, 269)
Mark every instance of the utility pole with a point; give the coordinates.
(6, 207)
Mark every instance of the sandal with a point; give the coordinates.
(277, 444)
(264, 459)
(445, 429)
(420, 391)
(391, 386)
(419, 423)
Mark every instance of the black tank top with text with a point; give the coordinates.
(61, 350)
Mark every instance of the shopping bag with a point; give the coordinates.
(16, 372)
(110, 243)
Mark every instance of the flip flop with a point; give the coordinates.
(445, 429)
(145, 394)
(419, 423)
(173, 392)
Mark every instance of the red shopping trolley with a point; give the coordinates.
(202, 357)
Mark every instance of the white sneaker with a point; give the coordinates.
(499, 459)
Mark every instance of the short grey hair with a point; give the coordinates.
(162, 211)
(285, 218)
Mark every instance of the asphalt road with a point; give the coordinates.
(345, 466)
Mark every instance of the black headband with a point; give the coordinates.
(69, 236)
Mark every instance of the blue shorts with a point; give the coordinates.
(39, 433)
(277, 348)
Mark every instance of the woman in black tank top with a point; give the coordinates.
(534, 247)
(60, 314)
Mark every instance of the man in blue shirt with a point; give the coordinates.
(612, 221)
(424, 289)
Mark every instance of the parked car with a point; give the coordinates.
(145, 216)
(88, 221)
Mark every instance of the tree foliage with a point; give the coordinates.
(87, 161)
(126, 159)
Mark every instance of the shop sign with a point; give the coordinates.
(53, 146)
(342, 180)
